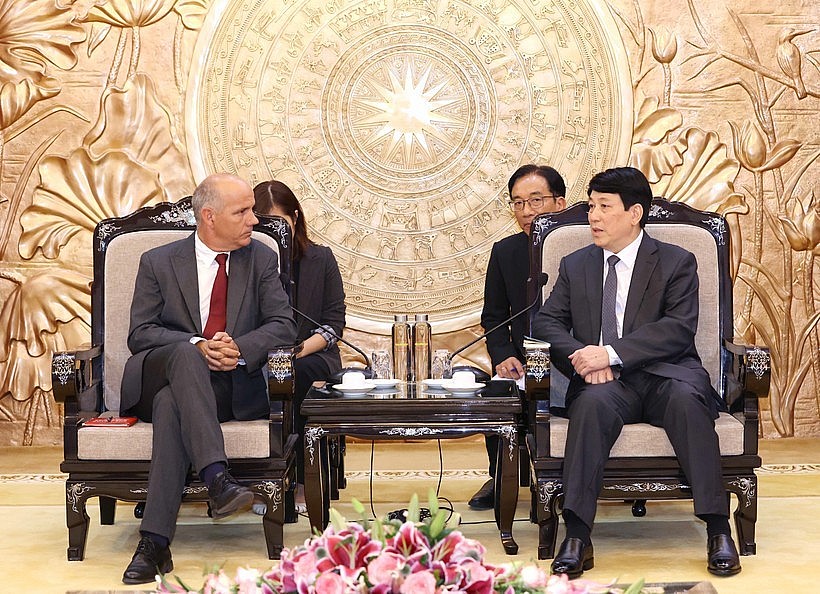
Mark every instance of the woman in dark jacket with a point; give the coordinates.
(320, 295)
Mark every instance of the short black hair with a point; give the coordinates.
(629, 183)
(552, 177)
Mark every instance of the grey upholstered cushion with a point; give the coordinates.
(642, 440)
(243, 439)
(121, 265)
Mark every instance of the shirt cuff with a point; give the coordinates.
(196, 339)
(614, 359)
(327, 333)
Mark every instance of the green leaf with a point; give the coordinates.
(413, 509)
(437, 525)
(337, 519)
(635, 588)
(432, 501)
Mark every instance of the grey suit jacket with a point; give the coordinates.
(321, 295)
(165, 309)
(660, 319)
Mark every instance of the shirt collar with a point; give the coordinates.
(629, 254)
(204, 254)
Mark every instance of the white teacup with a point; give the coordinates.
(463, 378)
(353, 379)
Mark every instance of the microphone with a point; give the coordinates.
(336, 336)
(542, 278)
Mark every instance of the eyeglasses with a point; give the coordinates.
(535, 202)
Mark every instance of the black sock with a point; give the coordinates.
(208, 474)
(160, 541)
(576, 528)
(716, 524)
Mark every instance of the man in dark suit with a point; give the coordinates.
(534, 190)
(621, 321)
(205, 312)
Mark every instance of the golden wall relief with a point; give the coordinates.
(397, 123)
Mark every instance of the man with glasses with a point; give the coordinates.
(534, 189)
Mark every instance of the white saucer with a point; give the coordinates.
(437, 384)
(358, 389)
(462, 388)
(384, 384)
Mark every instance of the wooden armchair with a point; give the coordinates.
(642, 465)
(112, 463)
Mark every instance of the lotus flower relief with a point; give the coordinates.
(802, 226)
(752, 152)
(664, 45)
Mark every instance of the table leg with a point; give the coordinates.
(506, 481)
(314, 481)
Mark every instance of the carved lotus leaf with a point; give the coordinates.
(36, 33)
(40, 307)
(192, 13)
(650, 151)
(133, 119)
(130, 13)
(705, 179)
(77, 192)
(17, 98)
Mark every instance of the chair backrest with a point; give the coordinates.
(118, 245)
(705, 234)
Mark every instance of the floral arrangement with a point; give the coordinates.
(390, 557)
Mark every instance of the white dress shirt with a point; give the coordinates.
(624, 269)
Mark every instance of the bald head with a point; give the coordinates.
(223, 208)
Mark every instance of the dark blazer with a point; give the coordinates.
(321, 295)
(165, 309)
(505, 293)
(660, 319)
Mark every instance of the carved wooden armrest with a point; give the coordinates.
(280, 371)
(537, 380)
(751, 368)
(72, 373)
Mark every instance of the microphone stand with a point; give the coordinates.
(542, 280)
(336, 336)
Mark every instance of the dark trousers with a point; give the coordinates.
(306, 370)
(185, 402)
(598, 412)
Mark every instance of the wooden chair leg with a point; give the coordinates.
(108, 510)
(273, 522)
(77, 520)
(746, 513)
(549, 492)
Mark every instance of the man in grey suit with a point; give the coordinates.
(205, 312)
(621, 321)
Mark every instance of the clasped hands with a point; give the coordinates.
(220, 352)
(592, 363)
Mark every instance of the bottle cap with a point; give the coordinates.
(399, 317)
(421, 317)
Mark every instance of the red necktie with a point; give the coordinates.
(219, 300)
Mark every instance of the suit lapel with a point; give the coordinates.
(237, 285)
(594, 280)
(645, 264)
(185, 271)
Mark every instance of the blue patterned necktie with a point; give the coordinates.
(609, 323)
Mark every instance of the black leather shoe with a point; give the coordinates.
(147, 562)
(573, 558)
(723, 557)
(484, 498)
(227, 496)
